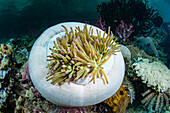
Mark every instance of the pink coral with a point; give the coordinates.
(26, 81)
(35, 92)
(124, 31)
(100, 24)
(25, 73)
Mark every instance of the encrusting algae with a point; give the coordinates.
(80, 54)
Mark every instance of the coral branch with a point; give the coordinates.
(124, 31)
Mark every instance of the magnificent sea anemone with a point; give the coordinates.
(75, 64)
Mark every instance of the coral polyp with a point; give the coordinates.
(80, 54)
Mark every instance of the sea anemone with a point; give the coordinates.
(82, 67)
(80, 54)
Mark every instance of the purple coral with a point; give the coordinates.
(25, 74)
(100, 24)
(124, 31)
(25, 77)
(26, 81)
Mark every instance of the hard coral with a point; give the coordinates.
(119, 101)
(87, 109)
(7, 79)
(6, 53)
(26, 81)
(137, 12)
(136, 53)
(124, 31)
(100, 24)
(150, 73)
(156, 76)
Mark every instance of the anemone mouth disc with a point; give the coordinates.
(71, 94)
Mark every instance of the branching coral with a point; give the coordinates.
(26, 81)
(138, 12)
(100, 24)
(80, 54)
(124, 31)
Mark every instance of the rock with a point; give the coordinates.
(147, 45)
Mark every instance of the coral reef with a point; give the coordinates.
(136, 53)
(26, 81)
(79, 55)
(147, 45)
(123, 31)
(131, 93)
(119, 101)
(6, 53)
(150, 74)
(135, 110)
(29, 99)
(76, 109)
(155, 75)
(114, 11)
(160, 39)
(28, 103)
(100, 24)
(156, 101)
(21, 48)
(7, 79)
(21, 55)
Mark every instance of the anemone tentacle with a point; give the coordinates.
(80, 54)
